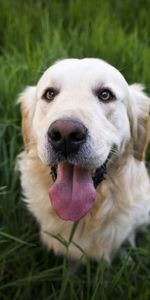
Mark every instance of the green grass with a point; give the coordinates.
(33, 34)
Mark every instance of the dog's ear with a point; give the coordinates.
(138, 111)
(27, 99)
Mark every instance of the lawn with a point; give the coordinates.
(33, 34)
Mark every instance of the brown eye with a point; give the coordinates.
(105, 95)
(50, 94)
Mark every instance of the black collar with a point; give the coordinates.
(99, 176)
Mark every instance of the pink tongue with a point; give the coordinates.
(72, 194)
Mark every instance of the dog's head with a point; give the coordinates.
(79, 112)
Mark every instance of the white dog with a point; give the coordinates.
(85, 123)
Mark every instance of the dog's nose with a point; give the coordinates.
(67, 136)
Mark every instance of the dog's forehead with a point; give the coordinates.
(74, 72)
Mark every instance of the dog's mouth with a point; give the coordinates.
(74, 189)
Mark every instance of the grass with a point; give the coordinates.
(33, 34)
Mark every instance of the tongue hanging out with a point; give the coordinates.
(73, 193)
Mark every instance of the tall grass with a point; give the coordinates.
(33, 34)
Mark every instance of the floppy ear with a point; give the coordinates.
(27, 99)
(138, 111)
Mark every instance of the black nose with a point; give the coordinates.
(67, 136)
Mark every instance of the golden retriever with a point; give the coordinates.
(89, 128)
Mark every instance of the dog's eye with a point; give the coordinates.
(105, 95)
(50, 94)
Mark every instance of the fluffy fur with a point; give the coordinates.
(122, 203)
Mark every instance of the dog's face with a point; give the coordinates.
(88, 99)
(79, 113)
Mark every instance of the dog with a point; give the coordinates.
(85, 133)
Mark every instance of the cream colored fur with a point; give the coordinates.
(122, 204)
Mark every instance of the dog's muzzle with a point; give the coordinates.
(67, 136)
